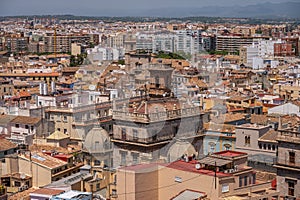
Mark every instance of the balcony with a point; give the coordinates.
(92, 121)
(150, 141)
(157, 116)
(289, 136)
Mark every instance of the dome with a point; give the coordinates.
(97, 141)
(179, 148)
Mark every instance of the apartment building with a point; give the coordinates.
(79, 115)
(16, 44)
(24, 128)
(43, 167)
(7, 148)
(144, 131)
(232, 43)
(287, 91)
(243, 105)
(283, 49)
(63, 42)
(218, 176)
(218, 137)
(6, 88)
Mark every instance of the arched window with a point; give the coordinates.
(273, 147)
(260, 146)
(247, 140)
(265, 146)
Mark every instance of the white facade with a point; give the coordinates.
(105, 53)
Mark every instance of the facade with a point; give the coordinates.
(63, 43)
(247, 136)
(288, 163)
(76, 118)
(6, 89)
(243, 105)
(43, 167)
(144, 132)
(232, 44)
(218, 137)
(24, 128)
(7, 148)
(17, 44)
(218, 176)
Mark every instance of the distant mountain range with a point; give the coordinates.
(263, 10)
(278, 11)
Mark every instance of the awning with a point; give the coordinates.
(214, 161)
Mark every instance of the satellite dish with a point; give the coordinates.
(197, 166)
(92, 87)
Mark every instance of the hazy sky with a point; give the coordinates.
(107, 7)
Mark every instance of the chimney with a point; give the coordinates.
(280, 123)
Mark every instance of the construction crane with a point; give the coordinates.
(54, 41)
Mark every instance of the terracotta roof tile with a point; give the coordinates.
(6, 144)
(26, 120)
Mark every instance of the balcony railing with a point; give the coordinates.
(92, 121)
(148, 140)
(289, 136)
(156, 116)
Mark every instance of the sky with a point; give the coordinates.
(108, 7)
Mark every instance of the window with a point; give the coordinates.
(292, 157)
(247, 140)
(17, 184)
(26, 126)
(65, 118)
(98, 186)
(253, 178)
(123, 158)
(291, 188)
(97, 144)
(123, 133)
(240, 181)
(97, 162)
(245, 181)
(135, 157)
(212, 147)
(58, 129)
(227, 147)
(17, 125)
(273, 147)
(135, 134)
(225, 188)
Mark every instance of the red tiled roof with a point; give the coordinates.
(230, 153)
